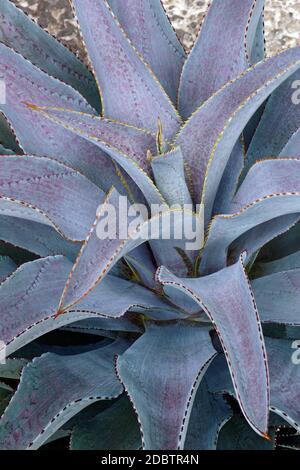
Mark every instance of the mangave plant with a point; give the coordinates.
(125, 343)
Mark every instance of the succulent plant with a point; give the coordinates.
(136, 342)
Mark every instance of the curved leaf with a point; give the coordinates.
(161, 373)
(227, 299)
(25, 83)
(208, 137)
(98, 253)
(54, 388)
(126, 145)
(277, 297)
(130, 92)
(46, 191)
(230, 179)
(113, 429)
(23, 35)
(37, 287)
(270, 190)
(227, 35)
(37, 238)
(169, 175)
(152, 34)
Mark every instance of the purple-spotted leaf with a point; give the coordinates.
(270, 190)
(161, 373)
(230, 179)
(126, 145)
(26, 83)
(151, 33)
(38, 286)
(227, 35)
(43, 190)
(25, 36)
(129, 90)
(53, 389)
(37, 238)
(104, 247)
(227, 299)
(142, 262)
(209, 136)
(126, 139)
(169, 175)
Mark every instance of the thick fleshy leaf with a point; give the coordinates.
(270, 190)
(127, 139)
(126, 145)
(46, 191)
(284, 385)
(7, 266)
(227, 35)
(142, 262)
(254, 239)
(36, 238)
(230, 179)
(169, 175)
(209, 136)
(130, 91)
(23, 35)
(280, 121)
(113, 297)
(227, 299)
(151, 33)
(114, 429)
(209, 414)
(37, 287)
(54, 388)
(277, 297)
(25, 83)
(161, 373)
(237, 435)
(99, 253)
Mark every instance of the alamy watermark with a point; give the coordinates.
(125, 221)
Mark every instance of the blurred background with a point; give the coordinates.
(282, 21)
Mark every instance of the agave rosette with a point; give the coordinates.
(176, 351)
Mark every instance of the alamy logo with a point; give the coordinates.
(125, 221)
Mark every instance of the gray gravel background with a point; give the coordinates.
(282, 21)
